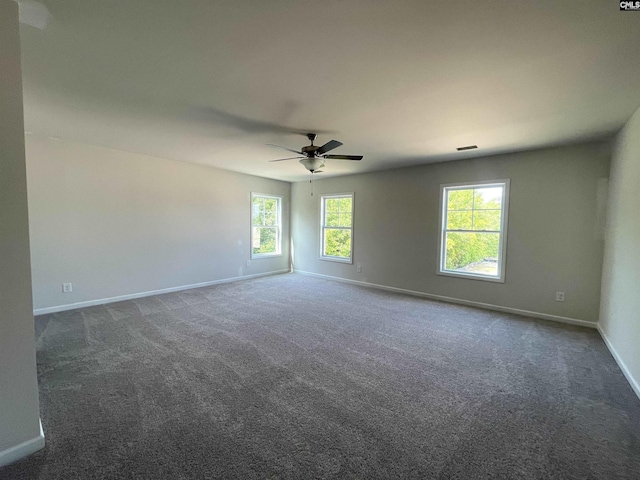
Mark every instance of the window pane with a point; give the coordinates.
(332, 212)
(486, 220)
(258, 211)
(345, 218)
(337, 243)
(472, 252)
(337, 223)
(332, 205)
(270, 212)
(478, 209)
(459, 220)
(265, 240)
(460, 199)
(489, 197)
(337, 212)
(345, 205)
(332, 219)
(265, 226)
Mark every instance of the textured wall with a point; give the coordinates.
(620, 311)
(116, 223)
(19, 410)
(554, 239)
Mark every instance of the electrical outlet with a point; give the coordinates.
(359, 268)
(559, 296)
(248, 263)
(67, 288)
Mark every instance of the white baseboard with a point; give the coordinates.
(120, 298)
(635, 385)
(458, 301)
(23, 449)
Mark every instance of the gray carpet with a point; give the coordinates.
(299, 378)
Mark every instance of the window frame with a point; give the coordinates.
(331, 258)
(504, 221)
(278, 252)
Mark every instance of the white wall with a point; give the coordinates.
(19, 409)
(554, 243)
(114, 223)
(620, 310)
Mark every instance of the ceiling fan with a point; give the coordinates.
(312, 156)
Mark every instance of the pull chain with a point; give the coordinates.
(311, 182)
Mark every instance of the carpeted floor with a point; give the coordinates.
(299, 378)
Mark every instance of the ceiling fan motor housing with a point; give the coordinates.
(309, 150)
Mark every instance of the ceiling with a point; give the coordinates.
(401, 82)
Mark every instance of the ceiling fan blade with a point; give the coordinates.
(282, 159)
(344, 157)
(284, 148)
(318, 171)
(330, 145)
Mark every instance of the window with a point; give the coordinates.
(337, 227)
(266, 225)
(474, 228)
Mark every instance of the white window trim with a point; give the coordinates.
(502, 254)
(278, 252)
(330, 258)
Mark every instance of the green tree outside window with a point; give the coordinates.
(472, 229)
(337, 226)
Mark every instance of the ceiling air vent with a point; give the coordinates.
(468, 147)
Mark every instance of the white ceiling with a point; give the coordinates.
(401, 82)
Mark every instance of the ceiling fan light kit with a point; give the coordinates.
(312, 164)
(312, 156)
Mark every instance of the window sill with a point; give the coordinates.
(257, 256)
(471, 276)
(337, 259)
